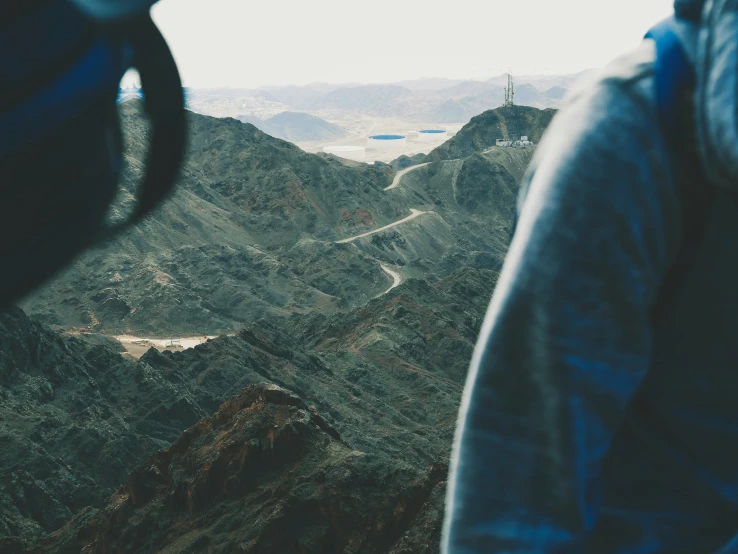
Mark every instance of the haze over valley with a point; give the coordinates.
(324, 115)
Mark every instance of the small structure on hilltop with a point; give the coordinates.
(522, 143)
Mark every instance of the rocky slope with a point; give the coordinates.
(251, 231)
(470, 204)
(371, 99)
(501, 123)
(74, 418)
(337, 398)
(266, 473)
(296, 127)
(387, 377)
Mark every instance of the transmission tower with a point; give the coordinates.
(510, 90)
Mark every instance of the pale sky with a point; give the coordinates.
(250, 43)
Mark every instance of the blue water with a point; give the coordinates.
(387, 137)
(432, 131)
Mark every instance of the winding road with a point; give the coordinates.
(395, 276)
(396, 180)
(413, 214)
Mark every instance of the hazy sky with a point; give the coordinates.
(249, 43)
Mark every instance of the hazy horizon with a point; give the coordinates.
(130, 80)
(229, 44)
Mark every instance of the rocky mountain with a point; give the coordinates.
(323, 422)
(75, 417)
(373, 99)
(529, 82)
(466, 107)
(296, 127)
(430, 83)
(557, 93)
(385, 381)
(266, 473)
(253, 231)
(255, 121)
(453, 110)
(250, 232)
(502, 123)
(300, 97)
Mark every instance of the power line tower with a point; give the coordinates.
(510, 90)
(510, 103)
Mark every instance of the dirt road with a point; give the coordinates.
(413, 214)
(395, 276)
(396, 180)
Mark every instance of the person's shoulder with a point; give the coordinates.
(630, 75)
(607, 130)
(610, 108)
(109, 10)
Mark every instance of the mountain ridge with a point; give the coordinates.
(265, 431)
(296, 127)
(421, 100)
(252, 232)
(361, 378)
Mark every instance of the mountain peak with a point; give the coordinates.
(265, 473)
(507, 122)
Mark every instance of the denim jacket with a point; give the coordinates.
(586, 426)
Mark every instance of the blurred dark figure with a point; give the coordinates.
(601, 410)
(60, 143)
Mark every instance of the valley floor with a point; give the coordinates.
(138, 346)
(360, 127)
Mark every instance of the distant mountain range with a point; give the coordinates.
(296, 127)
(427, 100)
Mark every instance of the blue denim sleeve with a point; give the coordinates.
(567, 336)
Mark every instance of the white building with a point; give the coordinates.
(522, 143)
(356, 153)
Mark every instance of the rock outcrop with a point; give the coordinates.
(75, 417)
(265, 474)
